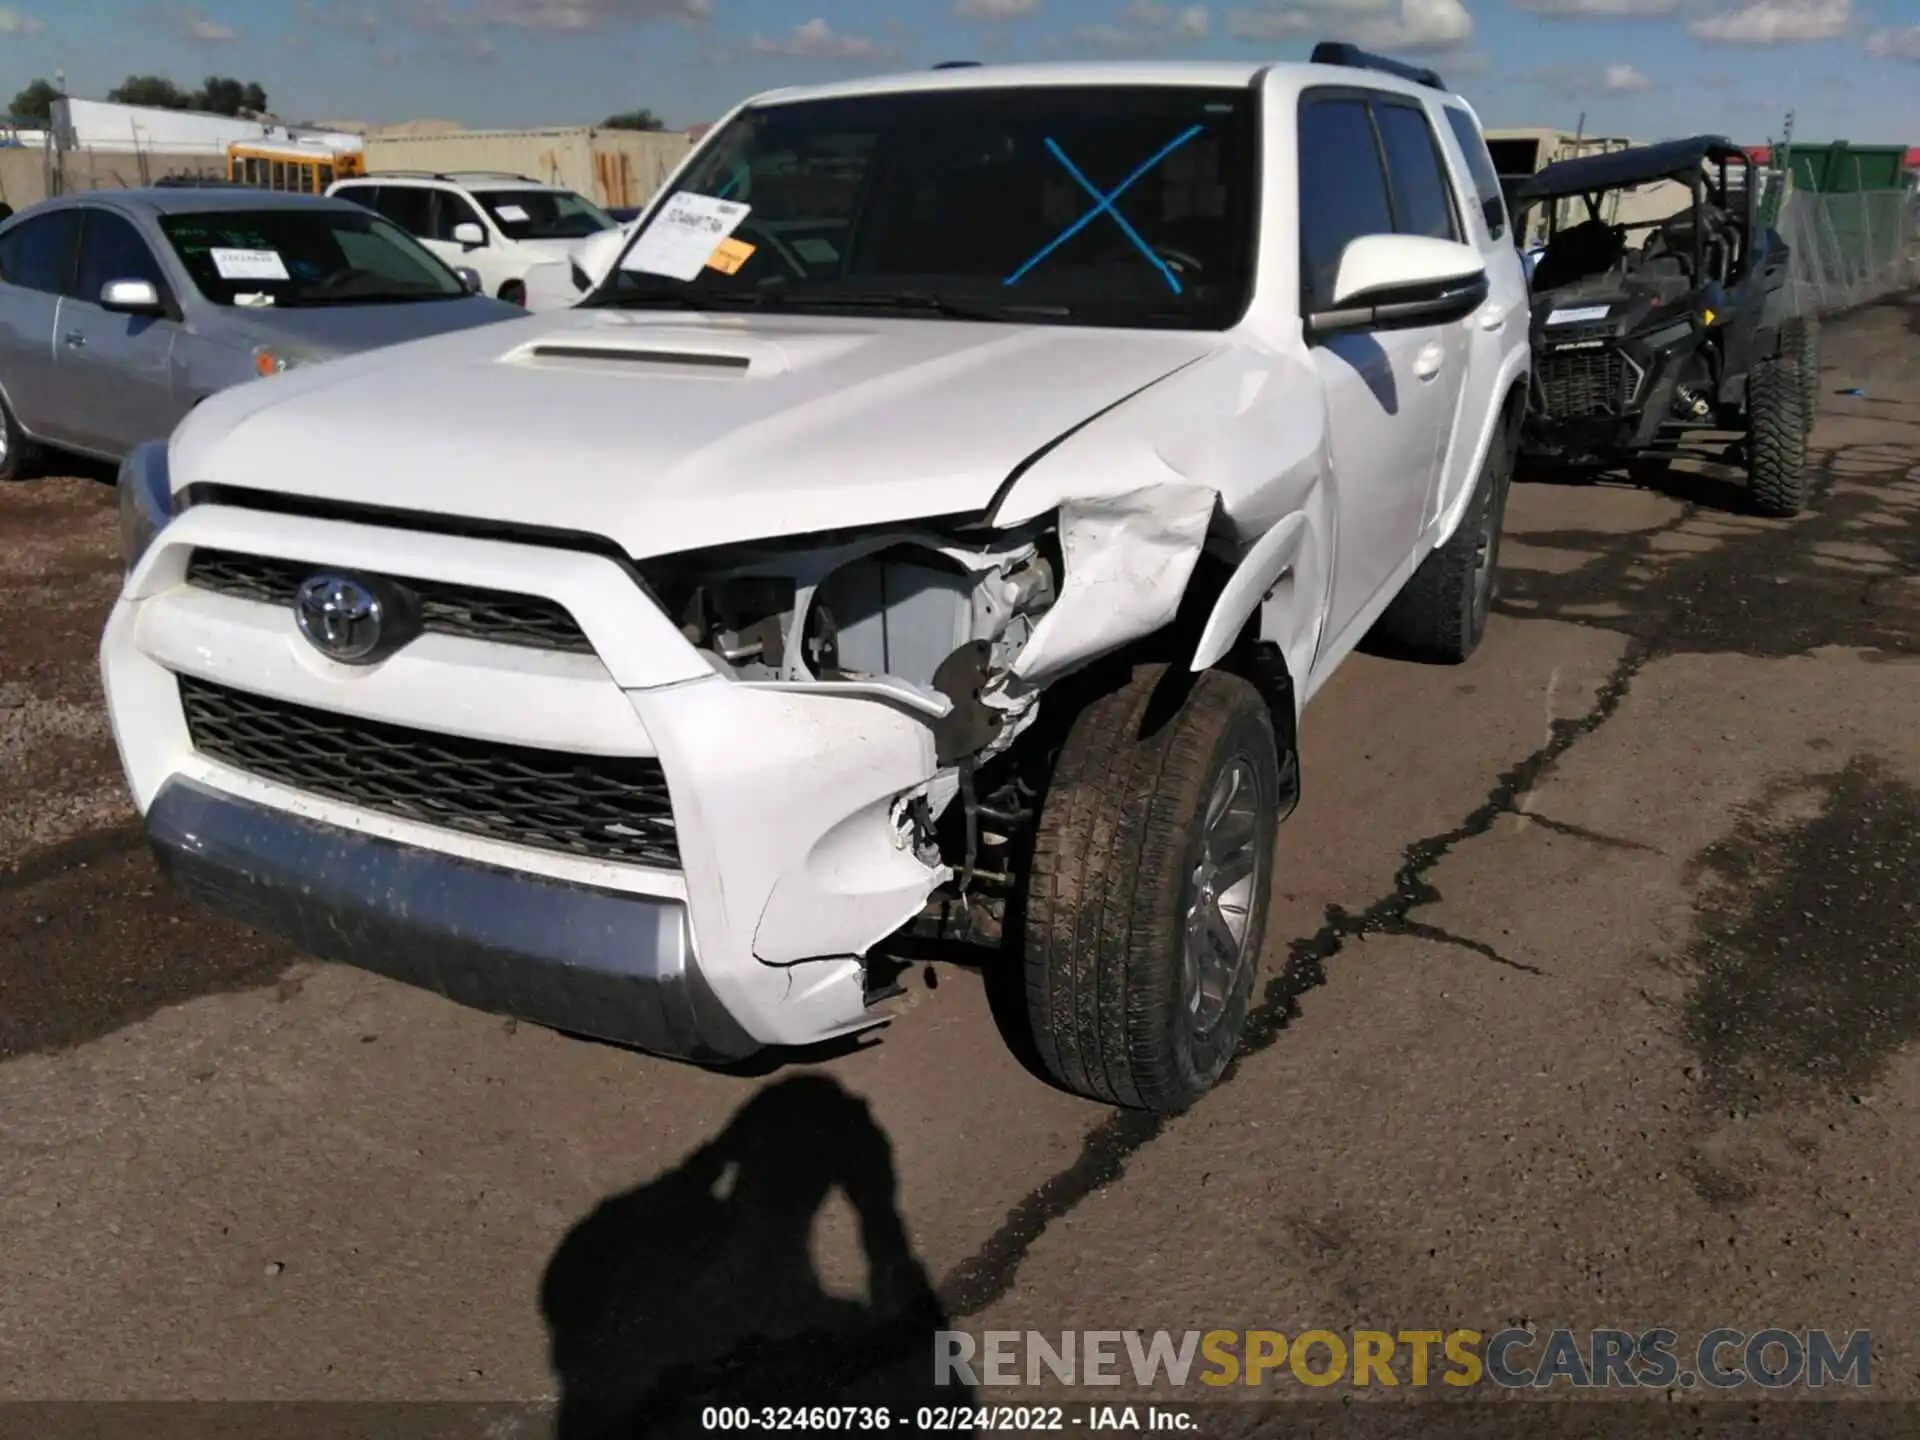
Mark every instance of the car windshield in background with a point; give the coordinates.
(306, 257)
(1117, 206)
(543, 214)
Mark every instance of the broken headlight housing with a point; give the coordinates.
(895, 604)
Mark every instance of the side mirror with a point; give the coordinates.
(131, 297)
(1388, 282)
(469, 235)
(469, 277)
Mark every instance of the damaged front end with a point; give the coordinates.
(956, 628)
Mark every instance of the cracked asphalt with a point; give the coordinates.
(1591, 996)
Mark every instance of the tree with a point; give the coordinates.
(223, 95)
(641, 119)
(154, 90)
(218, 95)
(36, 102)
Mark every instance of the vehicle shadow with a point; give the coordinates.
(698, 1289)
(1705, 475)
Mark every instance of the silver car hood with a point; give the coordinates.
(346, 329)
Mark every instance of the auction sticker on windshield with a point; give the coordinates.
(247, 264)
(684, 235)
(513, 213)
(1574, 317)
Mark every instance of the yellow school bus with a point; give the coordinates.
(298, 169)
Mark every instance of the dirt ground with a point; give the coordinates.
(1591, 997)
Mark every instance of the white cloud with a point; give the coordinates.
(575, 16)
(1606, 9)
(1412, 25)
(1900, 44)
(360, 19)
(993, 11)
(1776, 22)
(1624, 77)
(1146, 26)
(13, 22)
(192, 25)
(817, 40)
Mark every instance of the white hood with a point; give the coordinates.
(678, 431)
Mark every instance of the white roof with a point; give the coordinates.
(983, 77)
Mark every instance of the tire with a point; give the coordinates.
(19, 457)
(1776, 439)
(1800, 347)
(1441, 613)
(1123, 1009)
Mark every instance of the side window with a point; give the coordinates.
(408, 206)
(111, 249)
(39, 254)
(1422, 198)
(453, 209)
(367, 195)
(1343, 191)
(1486, 180)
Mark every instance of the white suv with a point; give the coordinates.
(517, 234)
(936, 518)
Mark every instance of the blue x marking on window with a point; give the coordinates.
(1103, 204)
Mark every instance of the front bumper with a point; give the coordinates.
(786, 805)
(618, 967)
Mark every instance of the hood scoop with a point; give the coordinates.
(713, 364)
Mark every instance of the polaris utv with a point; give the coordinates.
(1660, 311)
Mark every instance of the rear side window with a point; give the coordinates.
(39, 254)
(1422, 198)
(1343, 191)
(1486, 180)
(367, 195)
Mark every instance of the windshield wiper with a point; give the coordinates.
(924, 302)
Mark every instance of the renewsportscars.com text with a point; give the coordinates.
(1515, 1358)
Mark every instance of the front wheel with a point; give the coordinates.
(19, 456)
(1776, 438)
(1149, 887)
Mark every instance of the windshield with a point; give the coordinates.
(543, 214)
(306, 257)
(1115, 206)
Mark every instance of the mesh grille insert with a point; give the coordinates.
(597, 806)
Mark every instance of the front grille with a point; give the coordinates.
(445, 609)
(1575, 383)
(602, 807)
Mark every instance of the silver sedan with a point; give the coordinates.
(121, 310)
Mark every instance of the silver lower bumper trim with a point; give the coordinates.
(614, 966)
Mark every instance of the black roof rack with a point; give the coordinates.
(957, 65)
(1335, 52)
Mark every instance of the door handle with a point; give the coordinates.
(77, 340)
(1427, 363)
(1493, 317)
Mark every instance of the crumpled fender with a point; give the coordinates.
(1128, 558)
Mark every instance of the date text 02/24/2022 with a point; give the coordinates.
(943, 1419)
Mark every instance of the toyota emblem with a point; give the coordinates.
(342, 618)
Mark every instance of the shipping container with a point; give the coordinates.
(614, 168)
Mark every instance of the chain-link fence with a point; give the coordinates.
(1850, 248)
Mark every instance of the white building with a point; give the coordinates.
(102, 125)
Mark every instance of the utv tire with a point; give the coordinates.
(1776, 438)
(1149, 887)
(20, 458)
(1800, 348)
(1441, 613)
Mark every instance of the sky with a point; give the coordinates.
(1639, 68)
